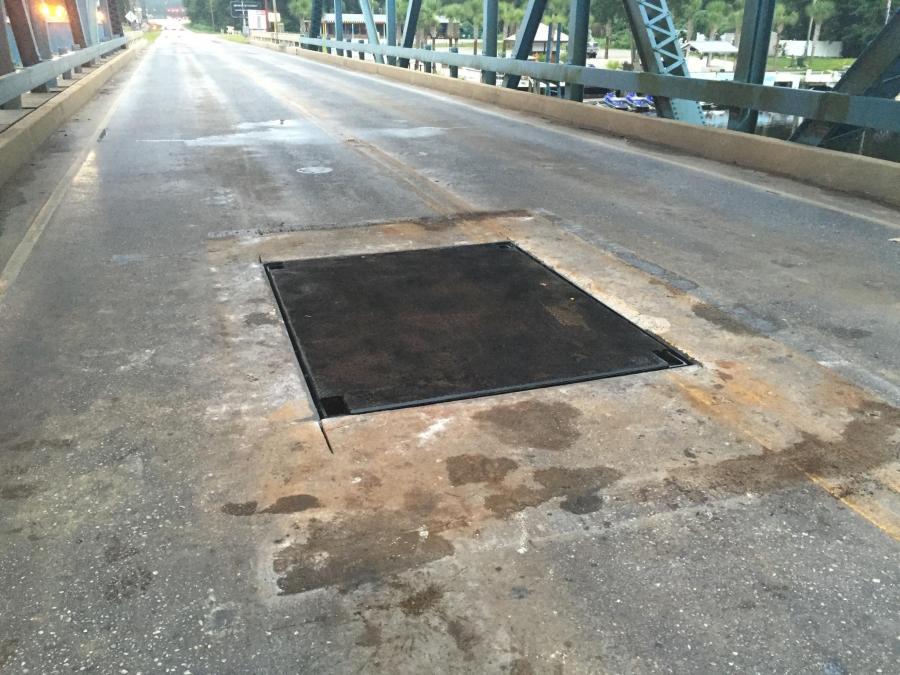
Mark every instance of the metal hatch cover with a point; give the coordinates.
(393, 330)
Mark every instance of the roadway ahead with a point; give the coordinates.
(209, 137)
(819, 278)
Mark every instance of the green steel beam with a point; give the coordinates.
(339, 23)
(409, 28)
(579, 18)
(876, 74)
(753, 53)
(658, 45)
(534, 12)
(391, 28)
(489, 43)
(865, 111)
(371, 31)
(315, 19)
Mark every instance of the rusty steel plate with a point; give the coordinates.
(392, 330)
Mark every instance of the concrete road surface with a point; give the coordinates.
(167, 499)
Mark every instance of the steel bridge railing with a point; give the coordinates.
(827, 106)
(13, 85)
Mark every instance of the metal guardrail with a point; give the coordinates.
(859, 111)
(13, 85)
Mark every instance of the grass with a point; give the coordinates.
(814, 63)
(236, 38)
(151, 35)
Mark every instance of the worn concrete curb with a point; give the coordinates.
(873, 178)
(20, 141)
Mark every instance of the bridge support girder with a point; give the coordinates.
(875, 73)
(534, 12)
(390, 35)
(579, 18)
(338, 23)
(409, 27)
(23, 32)
(315, 19)
(371, 30)
(753, 53)
(75, 23)
(658, 45)
(489, 40)
(6, 60)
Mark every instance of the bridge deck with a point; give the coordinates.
(168, 497)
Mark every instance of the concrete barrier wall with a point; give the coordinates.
(864, 176)
(20, 141)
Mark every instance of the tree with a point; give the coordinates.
(301, 9)
(818, 11)
(716, 14)
(510, 17)
(692, 10)
(455, 13)
(473, 10)
(783, 18)
(428, 20)
(605, 14)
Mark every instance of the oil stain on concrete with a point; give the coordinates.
(536, 424)
(577, 485)
(288, 504)
(357, 549)
(463, 469)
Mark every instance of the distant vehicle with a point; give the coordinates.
(592, 49)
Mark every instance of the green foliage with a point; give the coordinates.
(816, 63)
(855, 22)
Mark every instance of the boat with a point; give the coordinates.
(615, 102)
(639, 103)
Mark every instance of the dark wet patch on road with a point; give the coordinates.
(31, 444)
(867, 443)
(420, 602)
(521, 667)
(12, 491)
(7, 650)
(578, 487)
(130, 583)
(288, 504)
(239, 508)
(464, 469)
(260, 319)
(534, 424)
(292, 504)
(358, 549)
(723, 320)
(118, 550)
(465, 638)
